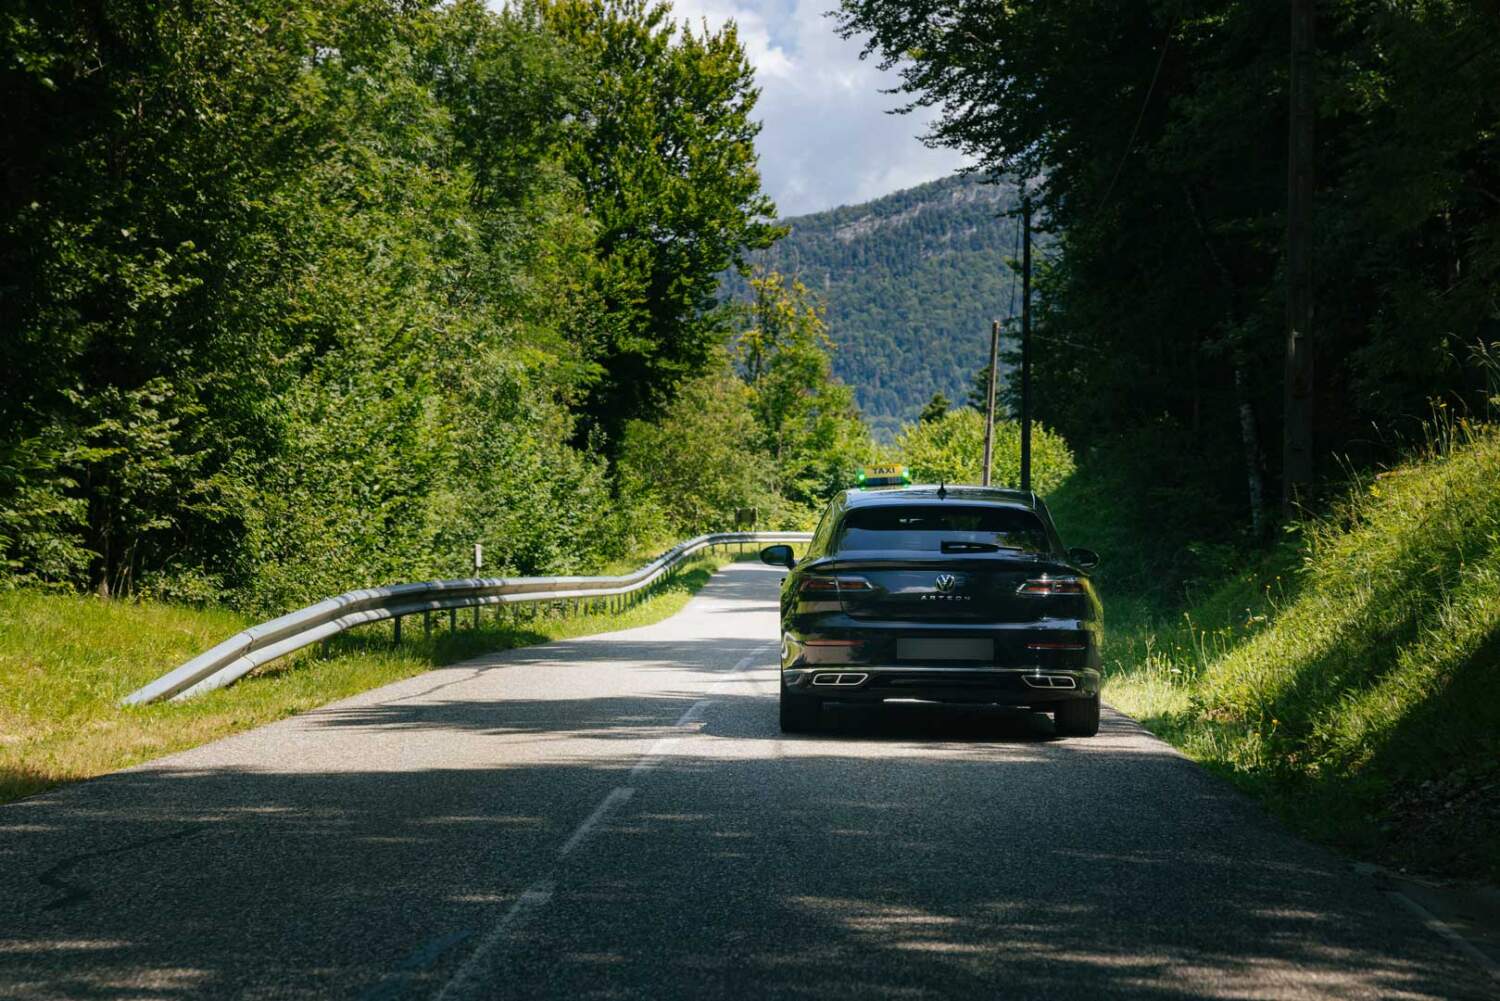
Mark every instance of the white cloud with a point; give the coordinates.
(826, 138)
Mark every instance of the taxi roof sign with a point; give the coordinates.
(888, 475)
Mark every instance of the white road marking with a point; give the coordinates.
(658, 751)
(465, 978)
(655, 756)
(617, 795)
(691, 716)
(750, 658)
(540, 893)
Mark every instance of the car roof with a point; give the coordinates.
(886, 496)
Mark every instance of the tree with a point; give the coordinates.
(807, 420)
(979, 390)
(936, 409)
(693, 465)
(664, 153)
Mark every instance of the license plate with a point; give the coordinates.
(945, 649)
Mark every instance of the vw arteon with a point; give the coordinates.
(939, 594)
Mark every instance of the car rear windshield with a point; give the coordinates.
(925, 528)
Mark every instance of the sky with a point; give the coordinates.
(826, 138)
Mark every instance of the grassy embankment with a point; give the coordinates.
(1351, 681)
(66, 661)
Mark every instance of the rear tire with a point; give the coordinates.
(799, 713)
(1077, 717)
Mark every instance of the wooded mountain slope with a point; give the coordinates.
(911, 282)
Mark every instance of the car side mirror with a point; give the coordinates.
(1083, 559)
(778, 556)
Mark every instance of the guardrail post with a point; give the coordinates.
(426, 623)
(476, 616)
(398, 630)
(452, 619)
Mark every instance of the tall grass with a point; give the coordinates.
(1352, 677)
(67, 660)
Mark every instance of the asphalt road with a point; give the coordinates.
(618, 817)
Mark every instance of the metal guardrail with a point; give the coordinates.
(244, 652)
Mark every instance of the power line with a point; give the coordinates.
(1139, 118)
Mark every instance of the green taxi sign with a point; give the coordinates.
(884, 476)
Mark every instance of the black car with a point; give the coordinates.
(939, 594)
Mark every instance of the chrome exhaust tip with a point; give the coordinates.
(1050, 681)
(829, 680)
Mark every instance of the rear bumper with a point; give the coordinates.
(837, 640)
(986, 685)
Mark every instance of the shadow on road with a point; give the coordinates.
(902, 854)
(931, 722)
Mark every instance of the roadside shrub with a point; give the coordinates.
(950, 449)
(696, 465)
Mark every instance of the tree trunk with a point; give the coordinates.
(1250, 439)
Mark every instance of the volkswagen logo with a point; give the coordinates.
(945, 582)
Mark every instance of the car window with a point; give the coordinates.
(924, 528)
(1050, 525)
(819, 544)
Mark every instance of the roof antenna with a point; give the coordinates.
(942, 488)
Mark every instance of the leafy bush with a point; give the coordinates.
(951, 449)
(698, 464)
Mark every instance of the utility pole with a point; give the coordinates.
(1297, 411)
(989, 407)
(1025, 343)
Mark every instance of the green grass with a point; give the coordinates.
(1351, 679)
(67, 660)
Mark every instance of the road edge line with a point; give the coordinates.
(1446, 931)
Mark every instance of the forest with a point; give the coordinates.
(306, 296)
(1153, 141)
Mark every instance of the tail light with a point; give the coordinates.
(1044, 586)
(828, 586)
